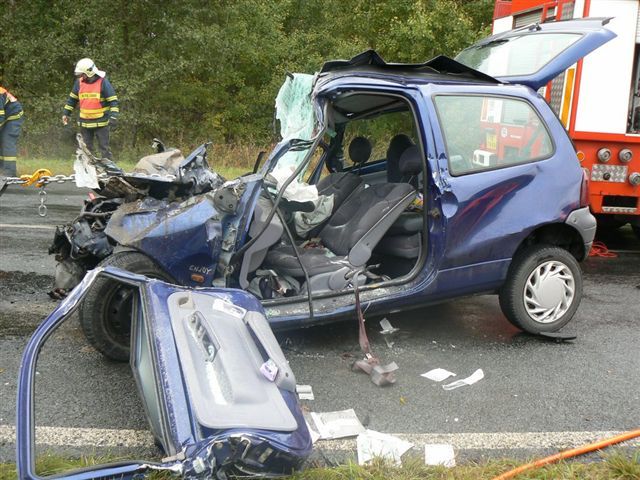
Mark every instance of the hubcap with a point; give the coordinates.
(549, 292)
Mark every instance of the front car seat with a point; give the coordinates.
(347, 239)
(343, 184)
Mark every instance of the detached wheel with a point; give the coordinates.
(543, 289)
(105, 313)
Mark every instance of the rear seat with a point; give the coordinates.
(404, 238)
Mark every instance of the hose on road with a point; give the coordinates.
(623, 437)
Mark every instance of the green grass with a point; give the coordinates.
(230, 161)
(614, 466)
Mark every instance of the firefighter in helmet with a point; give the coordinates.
(98, 105)
(10, 125)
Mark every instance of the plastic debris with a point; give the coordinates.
(438, 374)
(305, 392)
(387, 331)
(372, 444)
(387, 328)
(331, 425)
(439, 454)
(470, 380)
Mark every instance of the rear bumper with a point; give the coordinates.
(585, 223)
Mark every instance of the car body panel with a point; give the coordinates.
(177, 426)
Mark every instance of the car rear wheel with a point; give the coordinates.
(105, 313)
(543, 289)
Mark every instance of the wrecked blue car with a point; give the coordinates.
(217, 390)
(421, 182)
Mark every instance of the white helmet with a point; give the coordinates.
(87, 67)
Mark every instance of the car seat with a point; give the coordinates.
(347, 239)
(404, 237)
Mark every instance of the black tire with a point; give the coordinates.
(105, 313)
(636, 230)
(557, 293)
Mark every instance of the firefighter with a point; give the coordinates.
(98, 105)
(10, 124)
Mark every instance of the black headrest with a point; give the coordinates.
(360, 150)
(411, 161)
(397, 146)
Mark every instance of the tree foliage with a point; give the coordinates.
(196, 70)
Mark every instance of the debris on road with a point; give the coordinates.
(470, 380)
(305, 392)
(372, 444)
(439, 454)
(341, 424)
(438, 374)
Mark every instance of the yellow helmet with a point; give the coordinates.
(86, 66)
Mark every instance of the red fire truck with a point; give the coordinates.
(597, 100)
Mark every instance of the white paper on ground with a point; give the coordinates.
(340, 424)
(304, 392)
(473, 378)
(439, 454)
(372, 444)
(438, 374)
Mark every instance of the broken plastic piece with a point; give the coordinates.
(439, 454)
(438, 374)
(387, 328)
(372, 444)
(473, 378)
(344, 423)
(558, 336)
(304, 392)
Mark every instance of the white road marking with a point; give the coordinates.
(79, 437)
(28, 227)
(102, 437)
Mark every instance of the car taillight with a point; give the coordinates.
(584, 188)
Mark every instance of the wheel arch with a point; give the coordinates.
(556, 234)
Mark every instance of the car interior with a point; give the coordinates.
(371, 166)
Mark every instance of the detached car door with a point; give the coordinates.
(535, 54)
(217, 390)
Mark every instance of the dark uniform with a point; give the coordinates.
(11, 118)
(98, 110)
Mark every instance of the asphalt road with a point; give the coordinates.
(537, 395)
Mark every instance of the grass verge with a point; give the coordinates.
(613, 466)
(230, 161)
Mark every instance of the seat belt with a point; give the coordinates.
(381, 375)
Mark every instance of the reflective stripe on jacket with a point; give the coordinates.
(10, 107)
(97, 101)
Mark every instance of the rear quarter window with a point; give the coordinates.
(488, 132)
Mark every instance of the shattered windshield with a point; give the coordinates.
(522, 55)
(300, 124)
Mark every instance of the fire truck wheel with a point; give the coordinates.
(543, 289)
(105, 313)
(636, 230)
